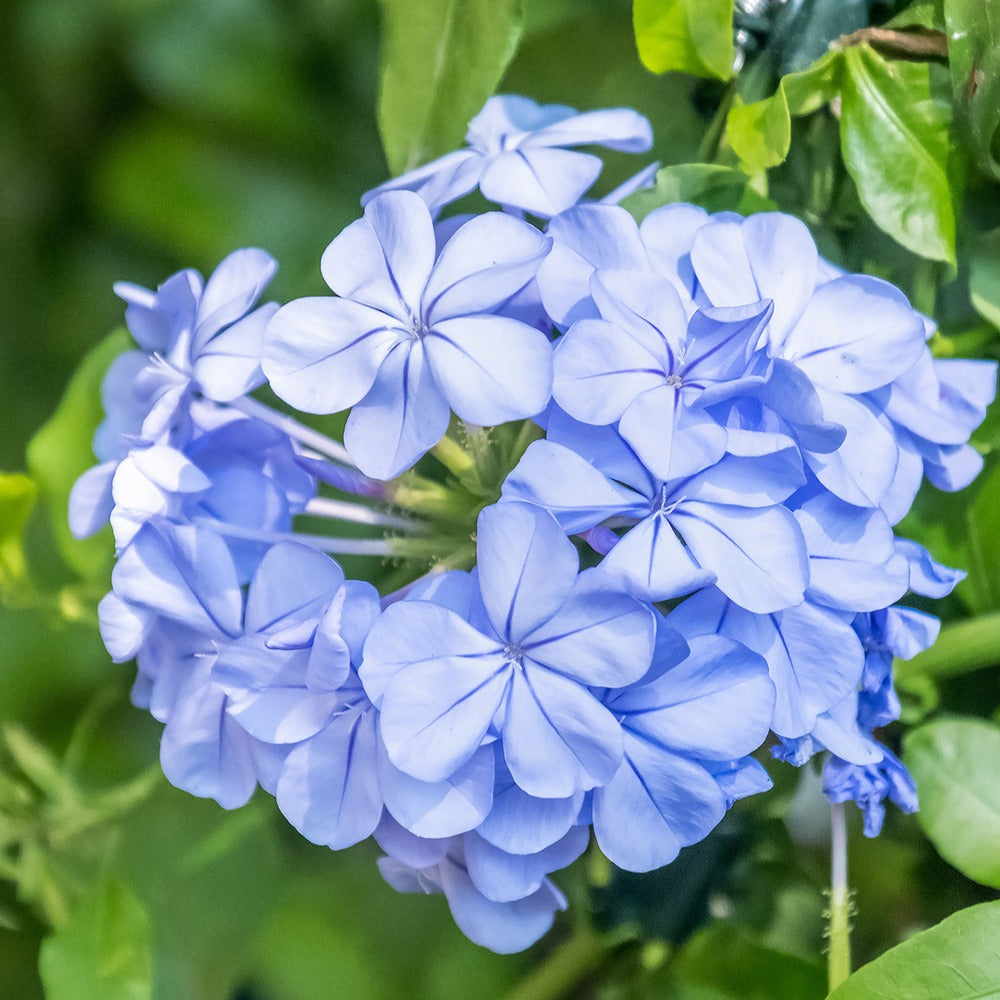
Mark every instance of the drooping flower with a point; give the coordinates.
(517, 156)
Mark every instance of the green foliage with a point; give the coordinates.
(973, 28)
(61, 451)
(715, 188)
(954, 763)
(894, 135)
(761, 133)
(441, 60)
(691, 36)
(103, 952)
(957, 959)
(18, 494)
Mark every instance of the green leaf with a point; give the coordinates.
(760, 133)
(61, 451)
(954, 764)
(17, 499)
(956, 960)
(983, 524)
(692, 36)
(895, 140)
(973, 28)
(715, 188)
(920, 14)
(441, 60)
(728, 960)
(103, 952)
(984, 275)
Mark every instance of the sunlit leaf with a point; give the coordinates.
(692, 36)
(103, 952)
(958, 959)
(61, 451)
(895, 141)
(441, 60)
(17, 499)
(760, 133)
(954, 764)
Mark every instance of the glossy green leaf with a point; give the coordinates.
(715, 188)
(954, 764)
(958, 959)
(61, 451)
(692, 36)
(17, 499)
(760, 133)
(441, 60)
(103, 952)
(894, 134)
(973, 28)
(921, 14)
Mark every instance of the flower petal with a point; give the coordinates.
(491, 369)
(384, 259)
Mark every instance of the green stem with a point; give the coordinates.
(570, 963)
(969, 645)
(838, 964)
(708, 150)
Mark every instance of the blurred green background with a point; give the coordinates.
(141, 136)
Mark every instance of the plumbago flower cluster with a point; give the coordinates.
(715, 423)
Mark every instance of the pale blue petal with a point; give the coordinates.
(856, 334)
(599, 370)
(229, 365)
(758, 556)
(527, 567)
(600, 637)
(123, 626)
(657, 803)
(542, 181)
(204, 751)
(445, 808)
(502, 927)
(862, 469)
(651, 563)
(90, 500)
(507, 877)
(329, 789)
(928, 577)
(230, 292)
(400, 419)
(716, 704)
(436, 713)
(519, 823)
(415, 632)
(439, 182)
(557, 738)
(411, 850)
(184, 573)
(585, 238)
(491, 369)
(322, 354)
(567, 486)
(292, 583)
(384, 259)
(488, 260)
(613, 128)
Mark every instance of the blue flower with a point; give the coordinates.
(412, 338)
(516, 156)
(734, 529)
(443, 684)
